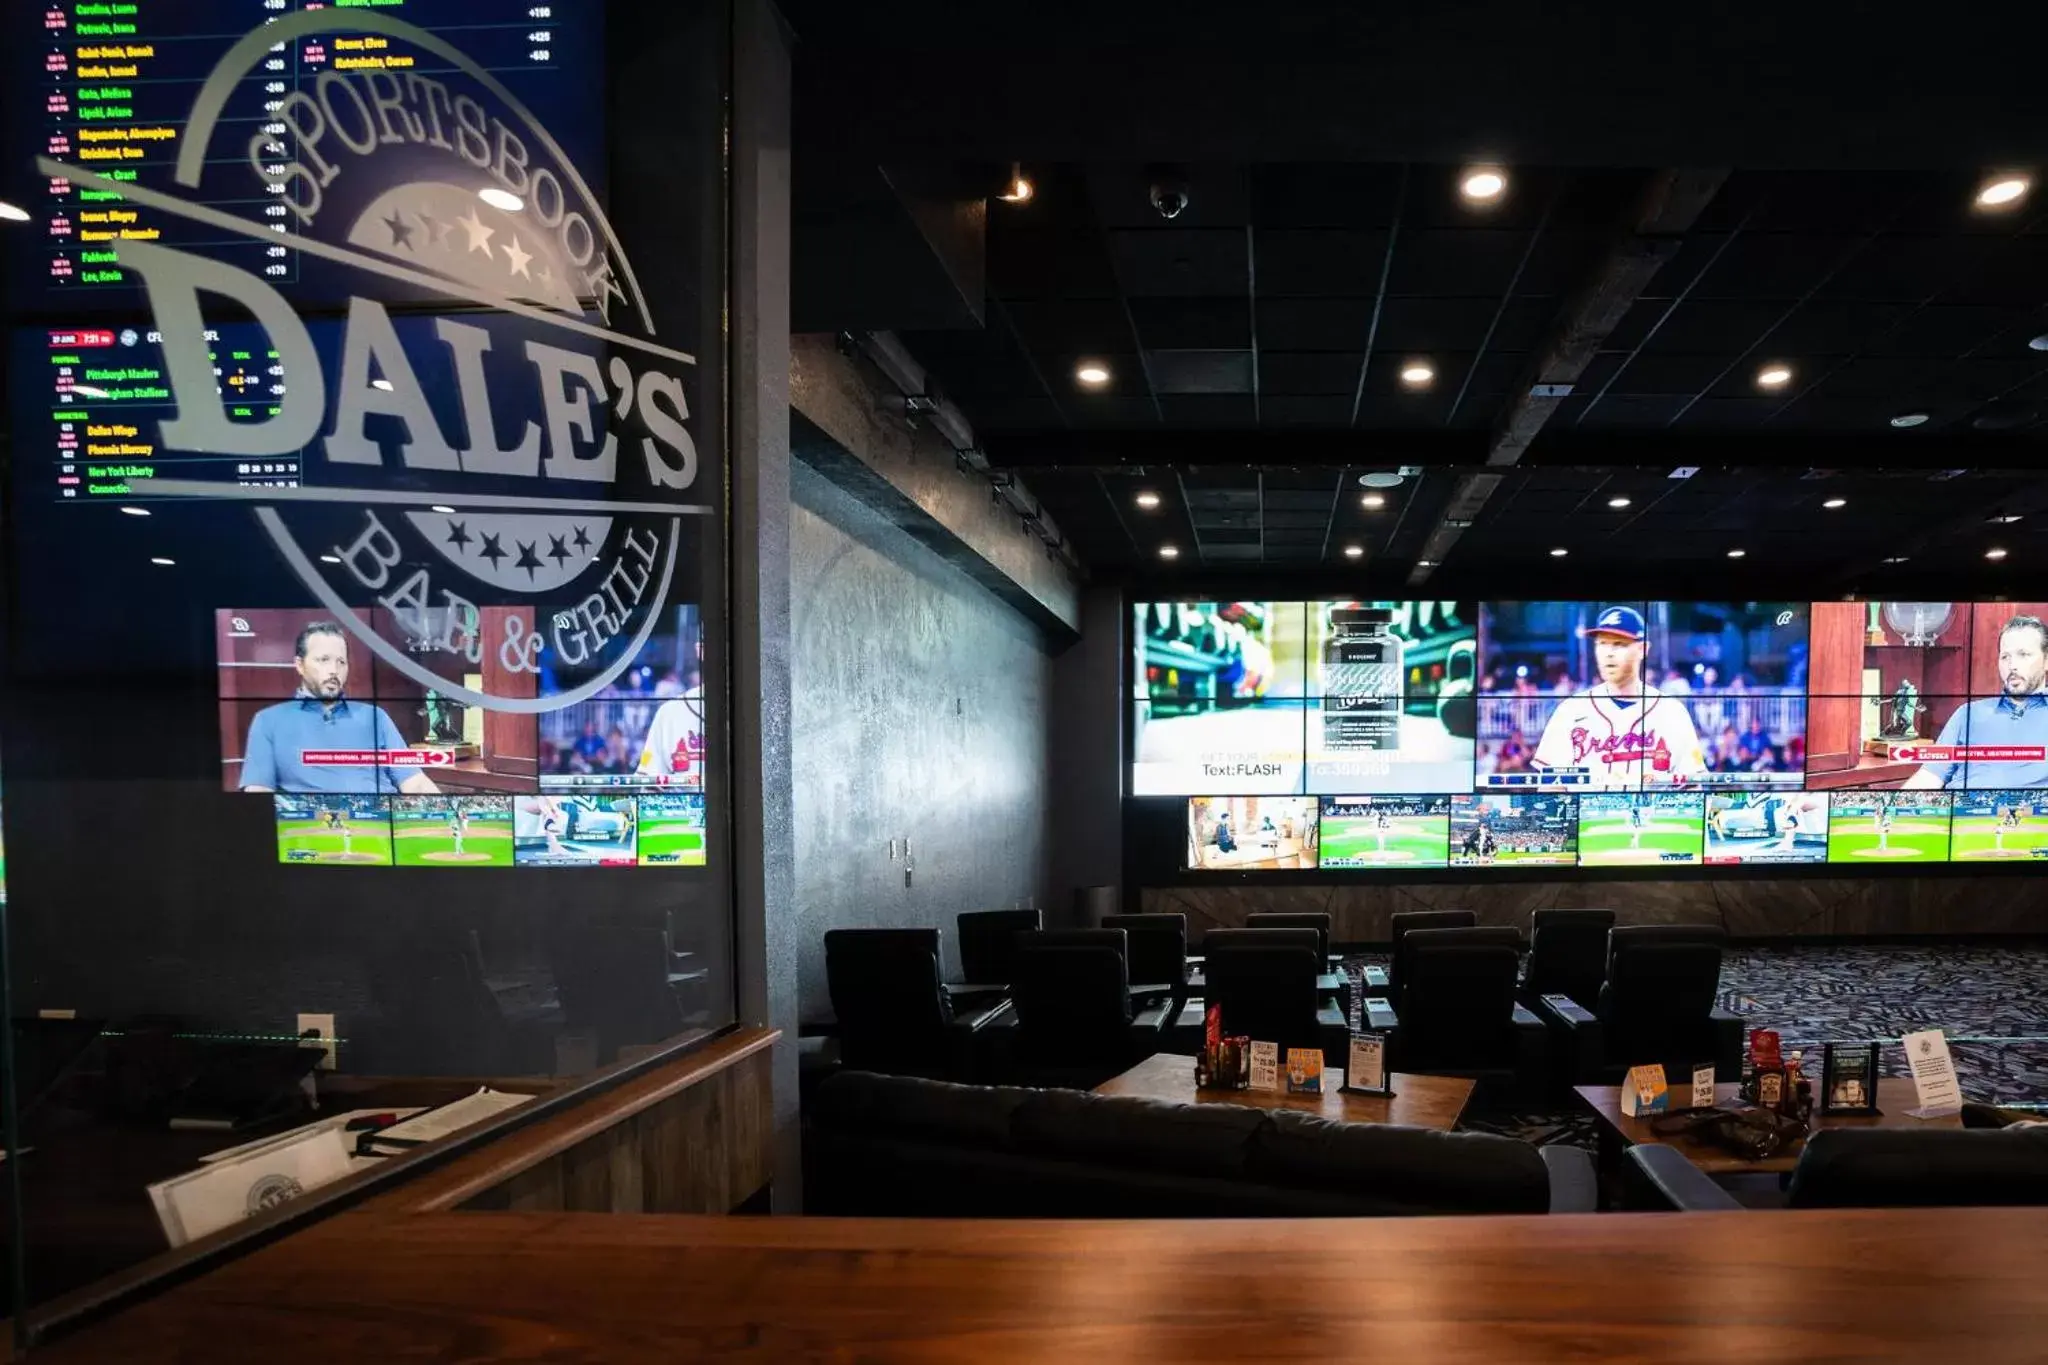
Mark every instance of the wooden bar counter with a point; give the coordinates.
(1806, 1286)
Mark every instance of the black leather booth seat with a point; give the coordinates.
(884, 1146)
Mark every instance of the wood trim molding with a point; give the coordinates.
(469, 1176)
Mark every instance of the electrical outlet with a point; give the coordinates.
(321, 1026)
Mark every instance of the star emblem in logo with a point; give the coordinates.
(401, 231)
(517, 257)
(492, 550)
(479, 235)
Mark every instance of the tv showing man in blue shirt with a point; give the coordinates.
(2015, 719)
(321, 720)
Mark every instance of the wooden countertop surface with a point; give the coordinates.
(1810, 1286)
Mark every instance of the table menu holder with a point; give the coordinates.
(1367, 1058)
(1848, 1078)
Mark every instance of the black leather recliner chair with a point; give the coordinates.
(893, 1013)
(1657, 1006)
(987, 940)
(1567, 956)
(1156, 953)
(1460, 1017)
(1387, 985)
(1265, 980)
(1071, 1021)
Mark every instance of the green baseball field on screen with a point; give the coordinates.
(1916, 836)
(1605, 839)
(1981, 838)
(1412, 841)
(671, 842)
(486, 842)
(368, 844)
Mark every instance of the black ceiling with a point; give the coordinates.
(1255, 343)
(1255, 340)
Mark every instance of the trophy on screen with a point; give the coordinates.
(444, 726)
(1902, 712)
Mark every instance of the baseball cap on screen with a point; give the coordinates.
(1626, 622)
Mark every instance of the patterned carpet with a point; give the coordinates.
(1992, 1000)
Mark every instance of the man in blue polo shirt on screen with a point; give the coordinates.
(2017, 718)
(320, 718)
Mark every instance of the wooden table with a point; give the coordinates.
(1895, 1095)
(1420, 1101)
(1817, 1285)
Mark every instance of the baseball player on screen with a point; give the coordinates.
(1624, 734)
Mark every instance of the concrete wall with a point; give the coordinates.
(919, 708)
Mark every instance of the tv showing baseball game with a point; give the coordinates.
(451, 831)
(1386, 831)
(1881, 828)
(1391, 696)
(1767, 827)
(580, 830)
(1250, 833)
(1637, 695)
(1220, 697)
(333, 831)
(644, 729)
(1641, 829)
(1999, 826)
(1514, 829)
(672, 830)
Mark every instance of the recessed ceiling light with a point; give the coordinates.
(1896, 559)
(2039, 343)
(1559, 553)
(1618, 502)
(442, 509)
(159, 559)
(1994, 553)
(2004, 518)
(1482, 184)
(13, 213)
(1737, 554)
(1372, 501)
(330, 559)
(1774, 376)
(383, 384)
(1425, 563)
(1147, 500)
(1353, 551)
(1092, 374)
(1380, 478)
(501, 199)
(1832, 503)
(1017, 190)
(1909, 419)
(2001, 191)
(136, 511)
(1417, 374)
(1169, 552)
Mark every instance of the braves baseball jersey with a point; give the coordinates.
(675, 742)
(1623, 743)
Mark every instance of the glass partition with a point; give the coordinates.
(366, 714)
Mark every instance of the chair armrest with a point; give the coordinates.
(1574, 1181)
(1329, 1015)
(1524, 1018)
(1377, 1013)
(1376, 978)
(1151, 1019)
(1567, 1011)
(999, 1014)
(1659, 1177)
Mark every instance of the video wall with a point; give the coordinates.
(1410, 735)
